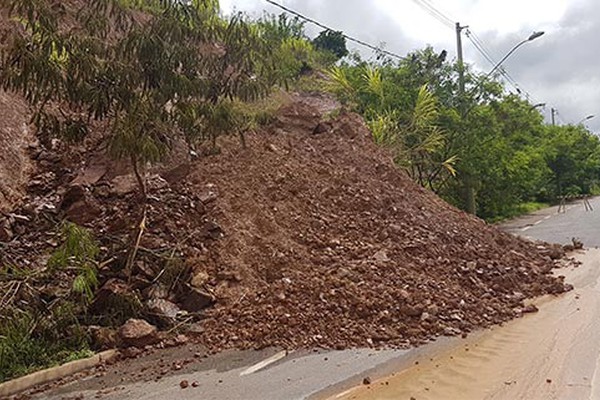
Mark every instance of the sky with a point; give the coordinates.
(559, 69)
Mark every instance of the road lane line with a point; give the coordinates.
(265, 363)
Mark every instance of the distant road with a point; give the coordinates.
(550, 226)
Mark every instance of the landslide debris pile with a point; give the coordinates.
(308, 237)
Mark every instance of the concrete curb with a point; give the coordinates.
(47, 375)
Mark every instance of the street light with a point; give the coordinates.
(531, 37)
(469, 186)
(585, 119)
(538, 105)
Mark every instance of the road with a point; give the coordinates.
(554, 227)
(247, 375)
(553, 354)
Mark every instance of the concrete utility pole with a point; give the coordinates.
(469, 187)
(461, 65)
(554, 112)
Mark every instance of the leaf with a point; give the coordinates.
(450, 163)
(374, 82)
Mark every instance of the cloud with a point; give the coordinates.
(561, 68)
(356, 18)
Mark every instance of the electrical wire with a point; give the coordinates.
(441, 17)
(480, 46)
(434, 12)
(323, 26)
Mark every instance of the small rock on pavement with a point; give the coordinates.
(138, 333)
(367, 381)
(530, 309)
(184, 384)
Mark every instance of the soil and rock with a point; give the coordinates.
(309, 237)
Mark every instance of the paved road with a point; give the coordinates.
(244, 375)
(550, 226)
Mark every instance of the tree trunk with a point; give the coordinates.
(470, 195)
(139, 178)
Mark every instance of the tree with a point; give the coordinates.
(172, 72)
(333, 42)
(413, 133)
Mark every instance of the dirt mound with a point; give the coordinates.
(15, 136)
(308, 237)
(328, 244)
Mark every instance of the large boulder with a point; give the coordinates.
(138, 333)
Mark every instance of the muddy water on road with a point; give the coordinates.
(553, 354)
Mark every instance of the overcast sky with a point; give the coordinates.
(559, 69)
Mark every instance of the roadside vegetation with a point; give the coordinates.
(489, 140)
(157, 71)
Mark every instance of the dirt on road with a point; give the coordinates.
(552, 354)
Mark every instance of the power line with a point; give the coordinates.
(349, 38)
(445, 15)
(434, 12)
(428, 6)
(480, 46)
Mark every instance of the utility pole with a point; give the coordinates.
(554, 112)
(469, 186)
(461, 65)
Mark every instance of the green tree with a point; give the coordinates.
(333, 42)
(152, 78)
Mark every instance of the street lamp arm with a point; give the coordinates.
(499, 64)
(531, 37)
(585, 119)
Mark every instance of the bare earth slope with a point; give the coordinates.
(15, 135)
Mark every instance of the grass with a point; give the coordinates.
(29, 344)
(521, 209)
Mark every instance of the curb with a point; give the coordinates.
(40, 377)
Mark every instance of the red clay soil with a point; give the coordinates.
(310, 236)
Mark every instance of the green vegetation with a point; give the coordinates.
(29, 342)
(491, 141)
(40, 323)
(332, 42)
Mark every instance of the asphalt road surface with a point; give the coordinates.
(554, 227)
(244, 375)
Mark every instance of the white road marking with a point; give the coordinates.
(265, 363)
